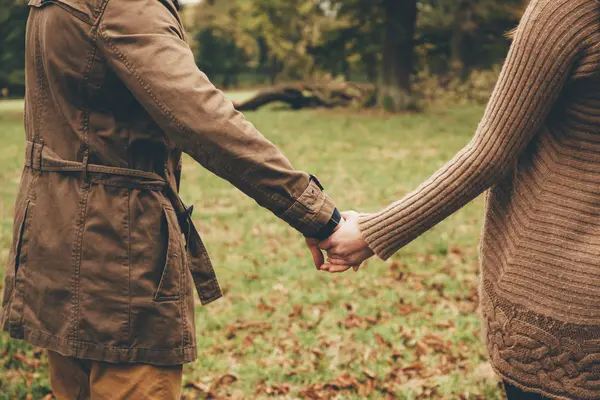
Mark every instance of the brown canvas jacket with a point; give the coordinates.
(98, 267)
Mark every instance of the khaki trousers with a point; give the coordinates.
(76, 379)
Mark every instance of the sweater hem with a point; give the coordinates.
(526, 388)
(538, 353)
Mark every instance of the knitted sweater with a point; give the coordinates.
(537, 150)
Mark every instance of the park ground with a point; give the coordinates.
(407, 328)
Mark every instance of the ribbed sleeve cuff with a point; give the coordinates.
(371, 226)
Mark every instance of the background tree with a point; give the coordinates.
(382, 42)
(462, 35)
(13, 16)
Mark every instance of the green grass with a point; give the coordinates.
(406, 328)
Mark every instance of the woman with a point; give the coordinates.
(537, 149)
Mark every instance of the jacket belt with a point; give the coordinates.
(41, 158)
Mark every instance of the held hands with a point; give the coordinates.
(346, 248)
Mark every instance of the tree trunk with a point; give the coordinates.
(398, 54)
(371, 67)
(312, 95)
(462, 16)
(274, 70)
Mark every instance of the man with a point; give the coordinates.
(98, 272)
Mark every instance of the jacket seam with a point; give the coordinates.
(128, 259)
(85, 119)
(77, 246)
(41, 84)
(99, 12)
(84, 192)
(183, 292)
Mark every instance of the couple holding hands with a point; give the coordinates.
(101, 276)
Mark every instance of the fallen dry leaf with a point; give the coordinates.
(224, 381)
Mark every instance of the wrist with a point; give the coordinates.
(330, 227)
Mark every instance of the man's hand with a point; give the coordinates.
(315, 251)
(346, 248)
(317, 255)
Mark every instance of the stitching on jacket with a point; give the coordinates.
(42, 80)
(97, 12)
(77, 245)
(183, 267)
(127, 222)
(83, 204)
(86, 78)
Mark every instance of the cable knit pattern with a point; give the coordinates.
(537, 150)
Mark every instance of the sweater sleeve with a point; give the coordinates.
(547, 44)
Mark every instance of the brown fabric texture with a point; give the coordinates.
(98, 267)
(537, 150)
(76, 379)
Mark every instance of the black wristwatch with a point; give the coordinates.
(330, 227)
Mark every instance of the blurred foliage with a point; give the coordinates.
(435, 91)
(272, 37)
(13, 15)
(460, 35)
(275, 40)
(256, 42)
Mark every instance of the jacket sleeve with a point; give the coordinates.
(143, 42)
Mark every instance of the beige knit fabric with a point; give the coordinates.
(537, 149)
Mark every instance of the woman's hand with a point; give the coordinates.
(346, 248)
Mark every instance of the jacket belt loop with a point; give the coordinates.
(41, 153)
(31, 155)
(84, 167)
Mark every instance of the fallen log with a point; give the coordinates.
(313, 95)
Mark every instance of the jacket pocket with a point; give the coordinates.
(169, 287)
(16, 250)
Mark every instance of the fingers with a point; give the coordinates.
(332, 248)
(326, 244)
(317, 255)
(335, 269)
(350, 259)
(338, 268)
(336, 260)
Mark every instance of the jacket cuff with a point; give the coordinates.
(311, 211)
(330, 227)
